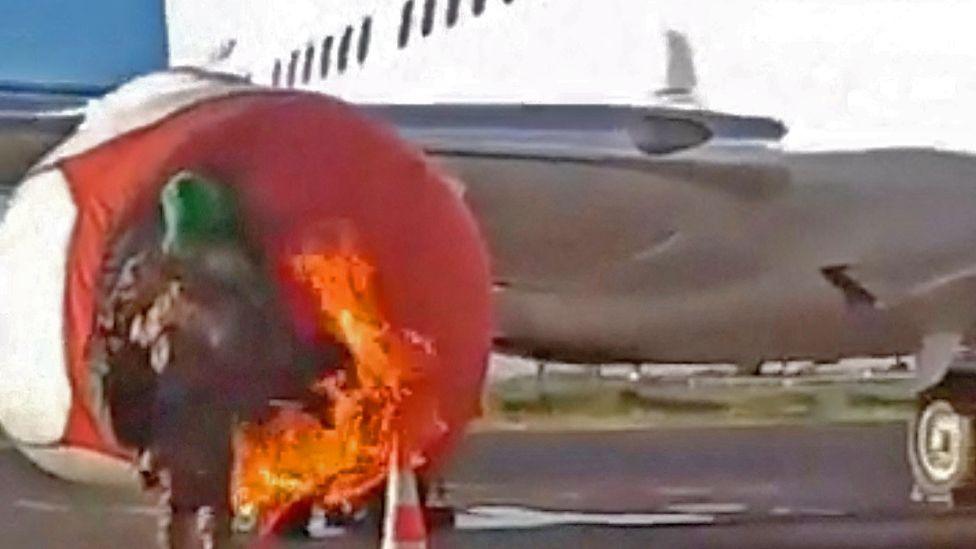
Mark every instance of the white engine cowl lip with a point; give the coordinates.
(142, 102)
(35, 396)
(36, 230)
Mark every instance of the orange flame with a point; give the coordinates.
(336, 455)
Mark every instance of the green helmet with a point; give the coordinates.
(197, 211)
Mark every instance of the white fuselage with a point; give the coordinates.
(875, 174)
(841, 74)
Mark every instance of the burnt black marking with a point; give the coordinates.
(406, 21)
(325, 62)
(427, 23)
(307, 67)
(344, 46)
(453, 9)
(276, 73)
(292, 68)
(365, 36)
(854, 292)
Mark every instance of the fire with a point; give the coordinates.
(338, 454)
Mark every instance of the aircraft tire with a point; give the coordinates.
(940, 440)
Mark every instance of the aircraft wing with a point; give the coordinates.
(587, 133)
(31, 122)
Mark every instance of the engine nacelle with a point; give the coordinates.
(320, 188)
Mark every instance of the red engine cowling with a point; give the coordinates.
(314, 177)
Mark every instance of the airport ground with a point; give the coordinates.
(804, 482)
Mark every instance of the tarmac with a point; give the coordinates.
(788, 486)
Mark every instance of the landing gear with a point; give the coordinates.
(750, 367)
(941, 449)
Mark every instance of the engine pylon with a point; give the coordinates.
(403, 523)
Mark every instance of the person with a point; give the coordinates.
(194, 339)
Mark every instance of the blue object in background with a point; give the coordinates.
(79, 46)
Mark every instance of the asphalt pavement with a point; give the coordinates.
(797, 486)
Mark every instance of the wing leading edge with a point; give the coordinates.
(570, 132)
(32, 121)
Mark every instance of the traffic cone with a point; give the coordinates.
(403, 525)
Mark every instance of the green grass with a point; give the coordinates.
(568, 401)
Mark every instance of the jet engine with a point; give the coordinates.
(249, 296)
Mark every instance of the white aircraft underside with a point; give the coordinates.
(606, 248)
(698, 269)
(778, 179)
(851, 233)
(841, 74)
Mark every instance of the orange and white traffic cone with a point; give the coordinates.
(403, 525)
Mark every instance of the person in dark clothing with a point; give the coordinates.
(193, 340)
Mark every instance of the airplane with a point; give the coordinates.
(727, 161)
(678, 182)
